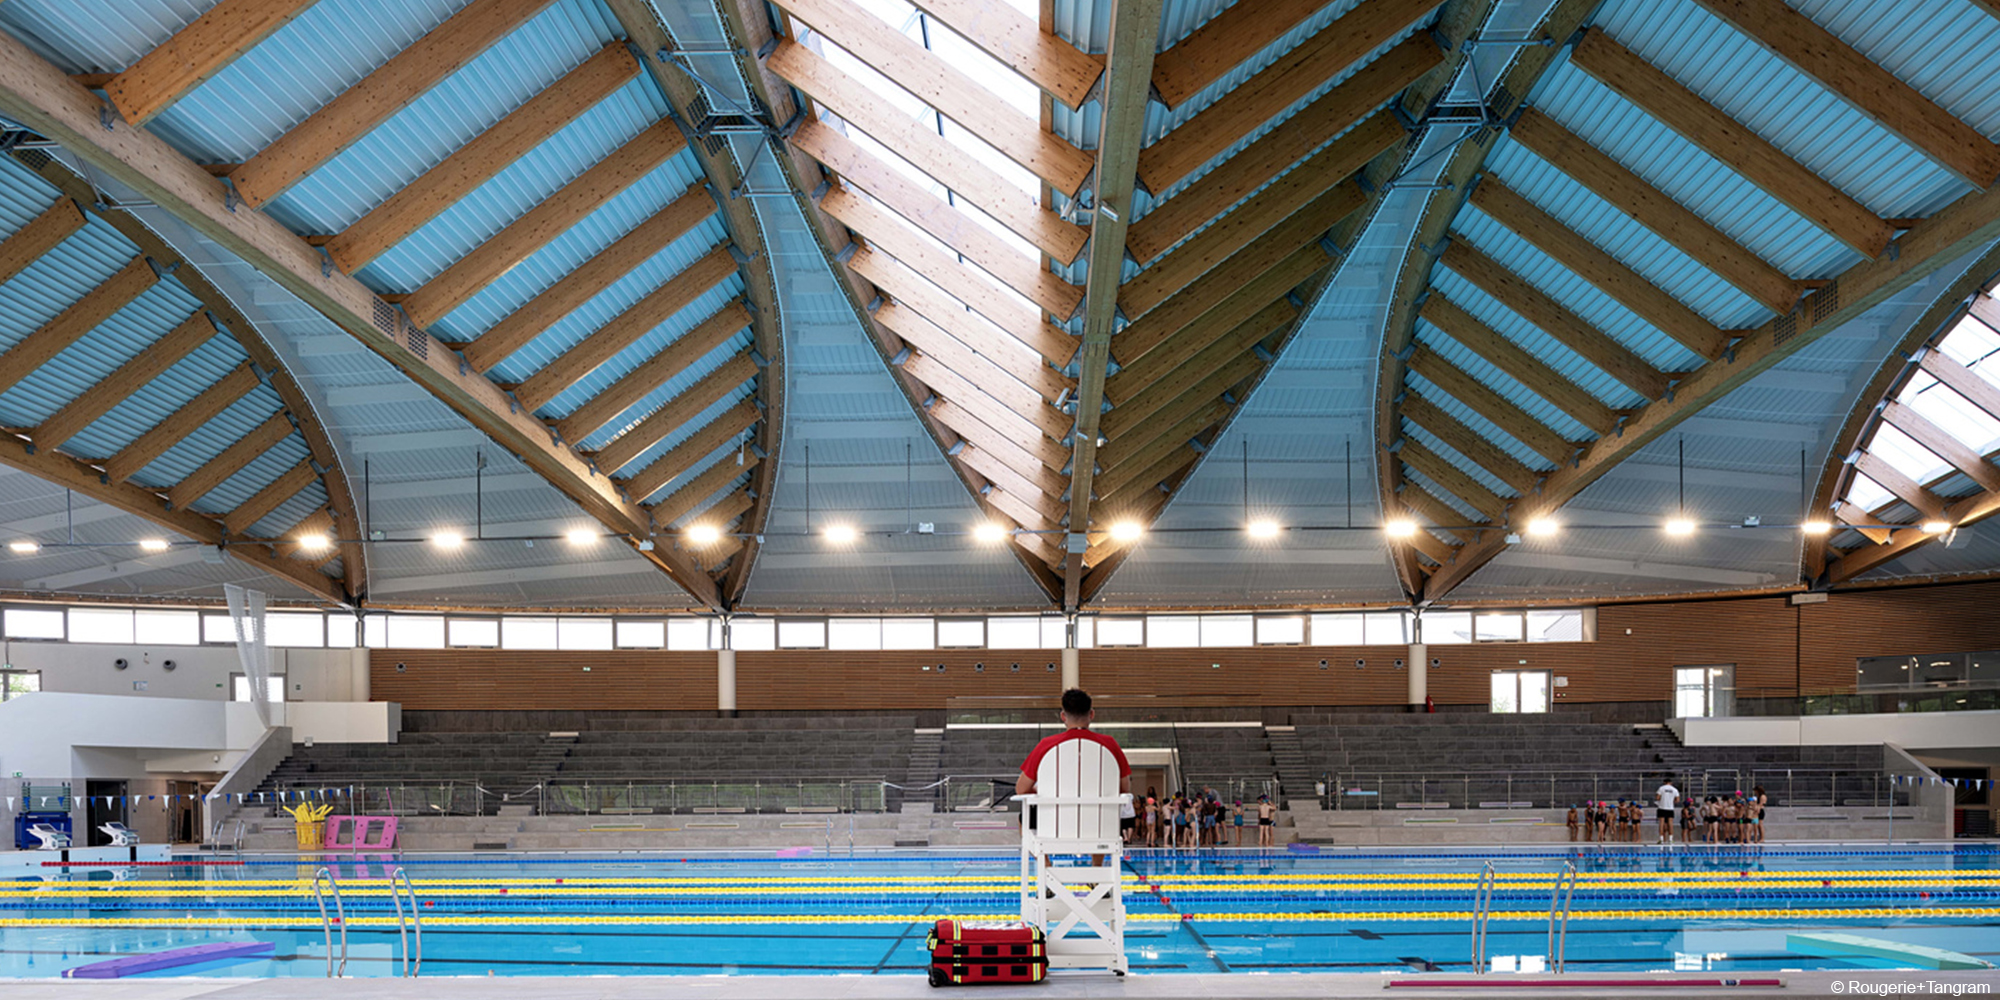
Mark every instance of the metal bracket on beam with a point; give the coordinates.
(901, 357)
(1435, 250)
(555, 436)
(1618, 428)
(230, 197)
(1076, 542)
(1407, 351)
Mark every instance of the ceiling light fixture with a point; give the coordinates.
(153, 544)
(1936, 526)
(1543, 527)
(1816, 528)
(447, 539)
(840, 534)
(990, 532)
(581, 536)
(1680, 527)
(703, 534)
(314, 543)
(26, 546)
(1265, 528)
(1401, 529)
(1127, 531)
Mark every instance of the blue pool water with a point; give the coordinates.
(1635, 910)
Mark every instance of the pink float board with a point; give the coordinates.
(132, 965)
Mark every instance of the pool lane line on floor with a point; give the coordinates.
(578, 919)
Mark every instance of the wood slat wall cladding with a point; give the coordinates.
(1776, 647)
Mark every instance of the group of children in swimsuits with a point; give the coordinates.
(1716, 819)
(1199, 820)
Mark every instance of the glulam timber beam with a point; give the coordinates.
(1489, 456)
(1128, 72)
(1037, 459)
(932, 79)
(268, 499)
(207, 46)
(1510, 418)
(1555, 319)
(924, 149)
(1208, 53)
(919, 207)
(1442, 516)
(1057, 67)
(710, 481)
(1287, 81)
(1941, 443)
(230, 461)
(626, 328)
(41, 97)
(79, 318)
(127, 379)
(1961, 379)
(42, 234)
(1967, 224)
(1862, 82)
(1731, 142)
(1890, 545)
(1901, 486)
(1194, 342)
(1439, 470)
(1191, 386)
(684, 456)
(481, 159)
(1652, 208)
(707, 391)
(590, 278)
(910, 294)
(1604, 272)
(1232, 293)
(941, 268)
(1023, 424)
(980, 368)
(552, 217)
(661, 368)
(1518, 363)
(1134, 452)
(1279, 152)
(1278, 220)
(356, 111)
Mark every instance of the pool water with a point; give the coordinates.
(1687, 909)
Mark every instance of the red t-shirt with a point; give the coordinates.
(1034, 761)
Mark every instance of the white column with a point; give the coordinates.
(357, 672)
(1072, 669)
(725, 680)
(1418, 665)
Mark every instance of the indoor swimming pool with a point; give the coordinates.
(1633, 910)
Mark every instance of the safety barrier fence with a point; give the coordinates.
(1527, 788)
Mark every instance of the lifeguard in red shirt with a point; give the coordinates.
(1076, 718)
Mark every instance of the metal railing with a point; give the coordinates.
(1550, 789)
(609, 796)
(399, 887)
(1559, 903)
(1482, 907)
(326, 923)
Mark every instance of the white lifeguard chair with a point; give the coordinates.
(1075, 806)
(120, 834)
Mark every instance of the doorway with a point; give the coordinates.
(1705, 692)
(1520, 691)
(104, 803)
(184, 812)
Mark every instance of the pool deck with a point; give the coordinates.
(1172, 987)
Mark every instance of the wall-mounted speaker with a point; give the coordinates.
(119, 664)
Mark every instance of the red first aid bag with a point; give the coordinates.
(964, 953)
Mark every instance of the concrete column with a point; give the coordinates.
(1418, 665)
(357, 688)
(1072, 669)
(725, 681)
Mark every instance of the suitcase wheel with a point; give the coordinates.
(937, 979)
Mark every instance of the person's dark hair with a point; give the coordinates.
(1075, 703)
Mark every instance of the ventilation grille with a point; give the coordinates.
(1825, 302)
(1504, 101)
(385, 318)
(419, 341)
(1785, 328)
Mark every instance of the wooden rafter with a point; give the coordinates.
(407, 75)
(1556, 320)
(1941, 443)
(1653, 209)
(933, 80)
(1963, 381)
(1185, 388)
(230, 461)
(944, 222)
(709, 390)
(1126, 459)
(1233, 292)
(1899, 485)
(1518, 363)
(1865, 84)
(910, 293)
(1278, 220)
(1048, 62)
(1028, 422)
(590, 278)
(1036, 458)
(929, 152)
(1491, 405)
(1133, 37)
(1646, 300)
(79, 318)
(1193, 343)
(1441, 471)
(657, 371)
(1732, 142)
(1212, 50)
(207, 46)
(288, 485)
(481, 159)
(1442, 516)
(625, 329)
(39, 96)
(682, 502)
(1466, 441)
(685, 455)
(554, 216)
(42, 234)
(1278, 86)
(183, 421)
(129, 377)
(980, 368)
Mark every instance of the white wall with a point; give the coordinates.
(200, 672)
(1912, 730)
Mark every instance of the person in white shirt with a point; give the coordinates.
(1665, 798)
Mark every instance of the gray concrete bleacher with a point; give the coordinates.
(1223, 757)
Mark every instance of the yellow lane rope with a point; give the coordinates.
(582, 920)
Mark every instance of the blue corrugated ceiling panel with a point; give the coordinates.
(208, 440)
(641, 281)
(1550, 351)
(1781, 104)
(1159, 119)
(437, 123)
(22, 196)
(687, 430)
(514, 191)
(1580, 297)
(98, 35)
(714, 498)
(85, 363)
(1949, 50)
(1469, 417)
(659, 340)
(563, 254)
(1638, 248)
(262, 470)
(1457, 458)
(61, 278)
(673, 388)
(1445, 496)
(300, 506)
(1487, 374)
(602, 378)
(161, 397)
(1085, 24)
(1699, 182)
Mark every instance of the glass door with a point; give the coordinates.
(1516, 691)
(1703, 692)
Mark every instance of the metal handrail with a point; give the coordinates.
(1482, 901)
(326, 926)
(1565, 890)
(399, 885)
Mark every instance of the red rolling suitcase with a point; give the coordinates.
(964, 953)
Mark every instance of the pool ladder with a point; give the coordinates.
(1563, 893)
(326, 924)
(399, 887)
(1482, 907)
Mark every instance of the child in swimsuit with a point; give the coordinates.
(1267, 822)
